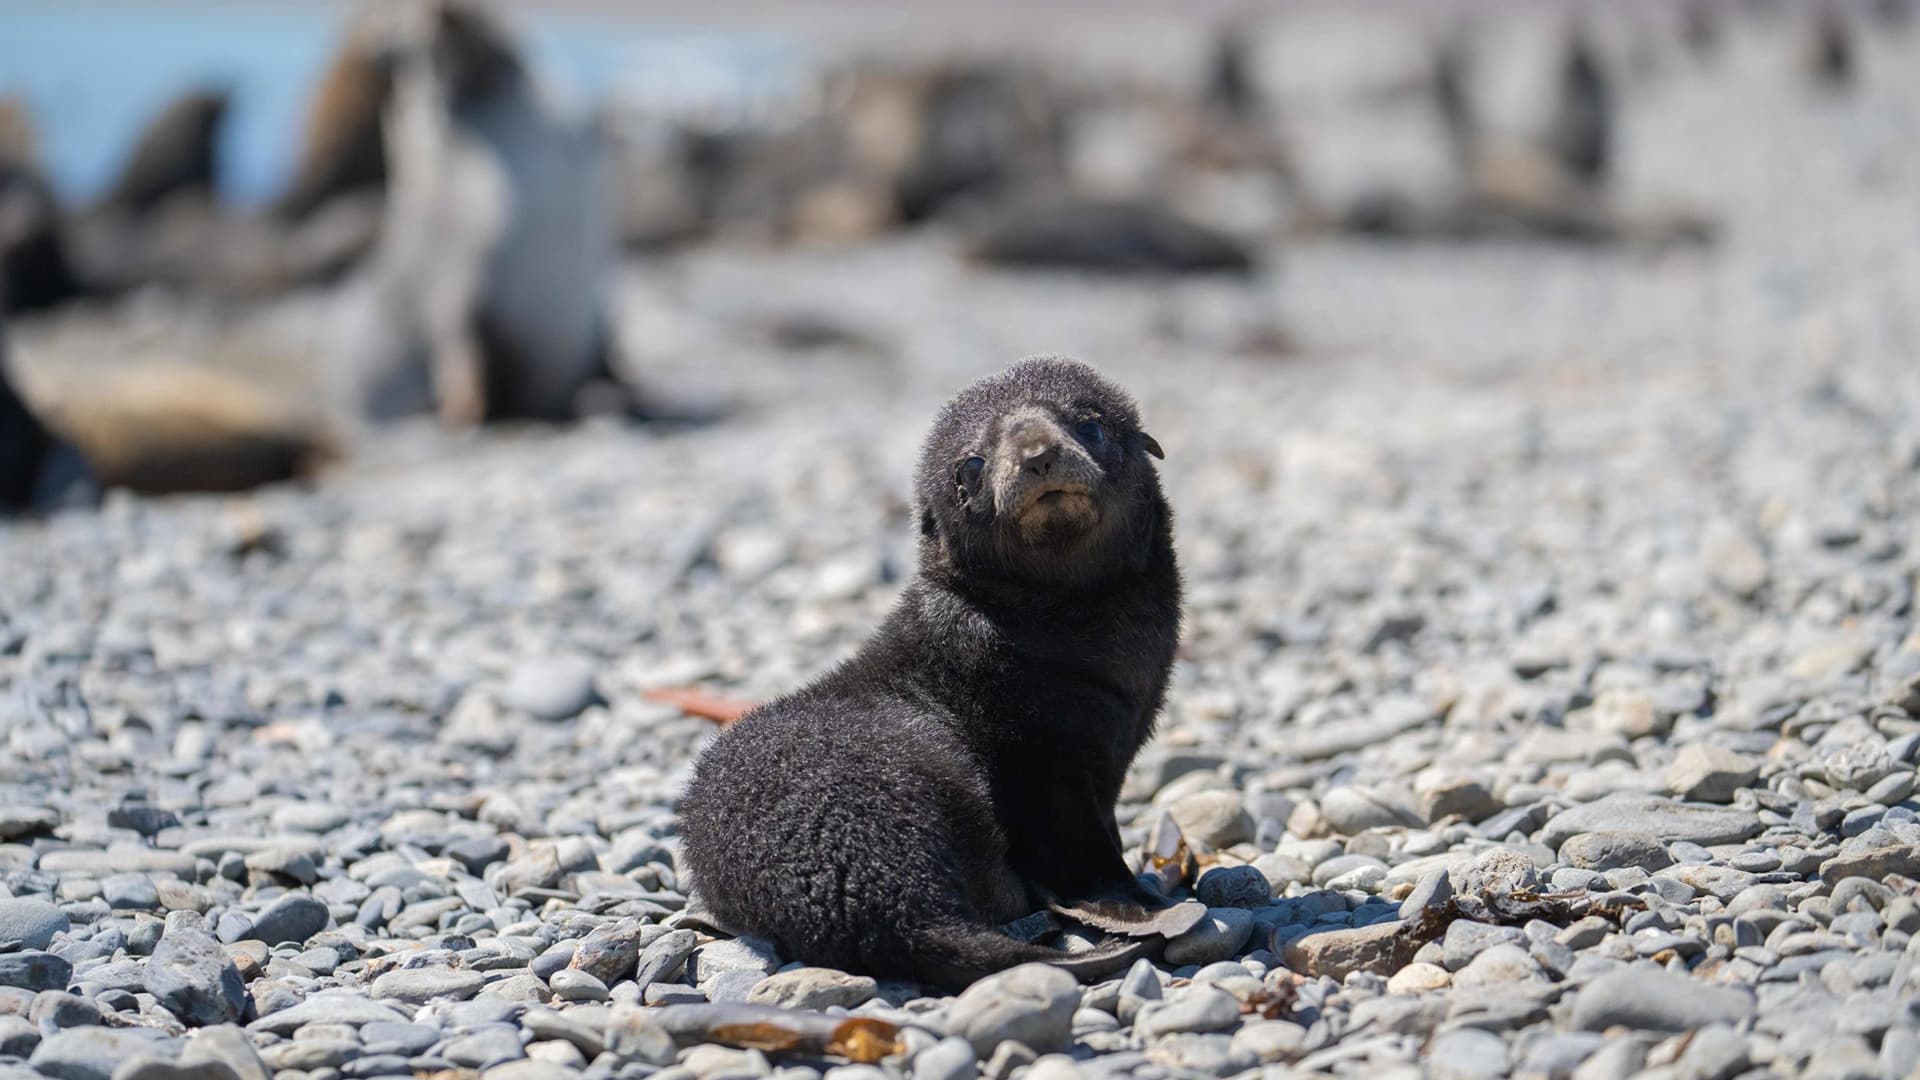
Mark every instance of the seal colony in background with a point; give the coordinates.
(961, 770)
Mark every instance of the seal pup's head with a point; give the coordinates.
(1040, 475)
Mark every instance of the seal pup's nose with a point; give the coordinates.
(1035, 442)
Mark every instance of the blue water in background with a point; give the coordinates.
(94, 71)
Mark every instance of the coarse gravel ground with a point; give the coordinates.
(1522, 571)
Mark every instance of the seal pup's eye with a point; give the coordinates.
(1091, 433)
(967, 474)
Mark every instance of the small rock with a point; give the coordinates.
(34, 970)
(1467, 1053)
(949, 1059)
(663, 959)
(1032, 1004)
(1462, 797)
(30, 924)
(1466, 939)
(1497, 872)
(1734, 562)
(1270, 1041)
(1654, 999)
(227, 1045)
(1234, 887)
(812, 988)
(283, 862)
(1216, 819)
(634, 1033)
(610, 952)
(529, 1069)
(130, 892)
(1828, 661)
(1654, 818)
(1381, 948)
(1218, 936)
(1878, 863)
(18, 1035)
(1196, 1009)
(1419, 978)
(191, 975)
(1704, 772)
(557, 688)
(143, 818)
(1612, 850)
(572, 984)
(750, 957)
(18, 821)
(1351, 810)
(417, 986)
(1628, 715)
(328, 1007)
(1498, 965)
(1432, 890)
(94, 1053)
(294, 917)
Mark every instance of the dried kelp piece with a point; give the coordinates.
(1270, 1002)
(1516, 908)
(1131, 917)
(1166, 857)
(695, 702)
(773, 1030)
(865, 1040)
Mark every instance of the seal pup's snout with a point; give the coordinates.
(1045, 479)
(1035, 444)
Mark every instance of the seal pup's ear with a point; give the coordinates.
(1152, 446)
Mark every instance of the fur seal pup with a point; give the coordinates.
(961, 769)
(486, 295)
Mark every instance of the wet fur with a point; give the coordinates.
(962, 767)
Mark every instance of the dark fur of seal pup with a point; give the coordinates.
(961, 769)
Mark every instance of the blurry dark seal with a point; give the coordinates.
(961, 769)
(38, 472)
(36, 266)
(1580, 132)
(176, 155)
(342, 148)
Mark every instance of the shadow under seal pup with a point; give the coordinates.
(961, 769)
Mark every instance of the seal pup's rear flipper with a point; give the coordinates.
(1131, 915)
(957, 955)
